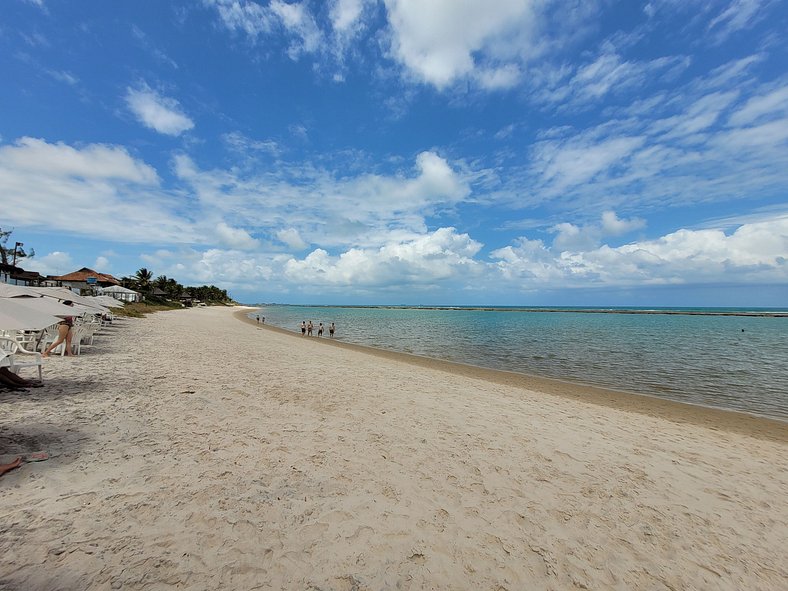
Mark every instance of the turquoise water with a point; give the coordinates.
(731, 362)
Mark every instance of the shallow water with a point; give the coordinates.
(732, 362)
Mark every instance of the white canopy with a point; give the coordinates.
(108, 301)
(117, 289)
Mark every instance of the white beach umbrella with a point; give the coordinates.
(63, 294)
(11, 291)
(17, 316)
(52, 307)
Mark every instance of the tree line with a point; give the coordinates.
(144, 282)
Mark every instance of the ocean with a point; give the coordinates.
(733, 359)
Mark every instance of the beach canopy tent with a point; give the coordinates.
(121, 293)
(107, 301)
(15, 315)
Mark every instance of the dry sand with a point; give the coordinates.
(192, 451)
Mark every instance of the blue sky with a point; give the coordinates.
(511, 152)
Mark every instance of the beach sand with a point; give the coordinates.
(191, 450)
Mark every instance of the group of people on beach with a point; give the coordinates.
(308, 328)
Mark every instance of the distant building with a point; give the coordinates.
(120, 293)
(86, 280)
(18, 276)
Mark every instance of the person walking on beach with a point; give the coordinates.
(64, 333)
(320, 329)
(331, 330)
(309, 329)
(303, 328)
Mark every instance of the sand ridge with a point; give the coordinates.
(196, 452)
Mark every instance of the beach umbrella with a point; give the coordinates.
(52, 307)
(11, 291)
(63, 294)
(17, 316)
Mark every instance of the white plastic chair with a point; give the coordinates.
(14, 353)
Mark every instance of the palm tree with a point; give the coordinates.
(143, 278)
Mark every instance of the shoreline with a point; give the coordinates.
(680, 412)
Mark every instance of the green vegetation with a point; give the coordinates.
(140, 309)
(163, 290)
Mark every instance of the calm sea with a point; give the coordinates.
(731, 362)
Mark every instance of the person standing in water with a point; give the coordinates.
(320, 329)
(331, 330)
(303, 328)
(309, 329)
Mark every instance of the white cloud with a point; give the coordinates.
(243, 15)
(740, 14)
(571, 237)
(612, 225)
(93, 162)
(292, 238)
(442, 41)
(754, 253)
(235, 237)
(101, 264)
(63, 76)
(582, 159)
(296, 18)
(567, 87)
(95, 190)
(162, 114)
(346, 15)
(774, 102)
(422, 261)
(330, 211)
(53, 263)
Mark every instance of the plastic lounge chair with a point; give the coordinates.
(14, 354)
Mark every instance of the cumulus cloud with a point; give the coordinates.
(292, 238)
(612, 225)
(440, 42)
(235, 237)
(753, 253)
(159, 113)
(581, 238)
(422, 261)
(53, 263)
(101, 262)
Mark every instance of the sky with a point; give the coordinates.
(434, 152)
